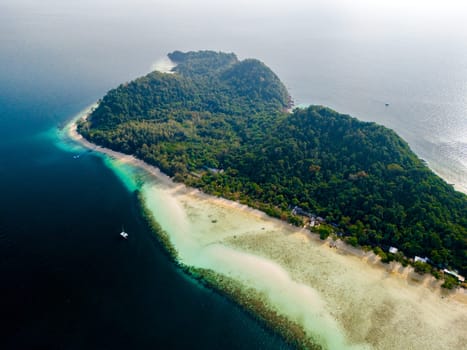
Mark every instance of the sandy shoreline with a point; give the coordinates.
(343, 297)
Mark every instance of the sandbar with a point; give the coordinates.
(341, 297)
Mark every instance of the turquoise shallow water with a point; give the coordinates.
(68, 281)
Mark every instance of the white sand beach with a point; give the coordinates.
(343, 298)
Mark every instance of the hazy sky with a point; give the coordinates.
(104, 36)
(351, 55)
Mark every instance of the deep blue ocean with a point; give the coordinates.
(67, 280)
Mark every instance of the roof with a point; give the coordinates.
(417, 258)
(455, 274)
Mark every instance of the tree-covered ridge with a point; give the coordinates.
(189, 119)
(360, 176)
(220, 124)
(201, 63)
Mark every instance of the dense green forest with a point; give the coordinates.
(222, 125)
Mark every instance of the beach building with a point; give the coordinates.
(417, 258)
(454, 274)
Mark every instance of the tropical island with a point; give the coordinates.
(305, 218)
(224, 126)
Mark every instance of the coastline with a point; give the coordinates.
(292, 332)
(295, 273)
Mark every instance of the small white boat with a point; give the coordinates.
(123, 234)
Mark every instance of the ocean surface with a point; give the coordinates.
(67, 279)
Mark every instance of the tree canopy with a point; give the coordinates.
(222, 125)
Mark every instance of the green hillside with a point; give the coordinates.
(222, 125)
